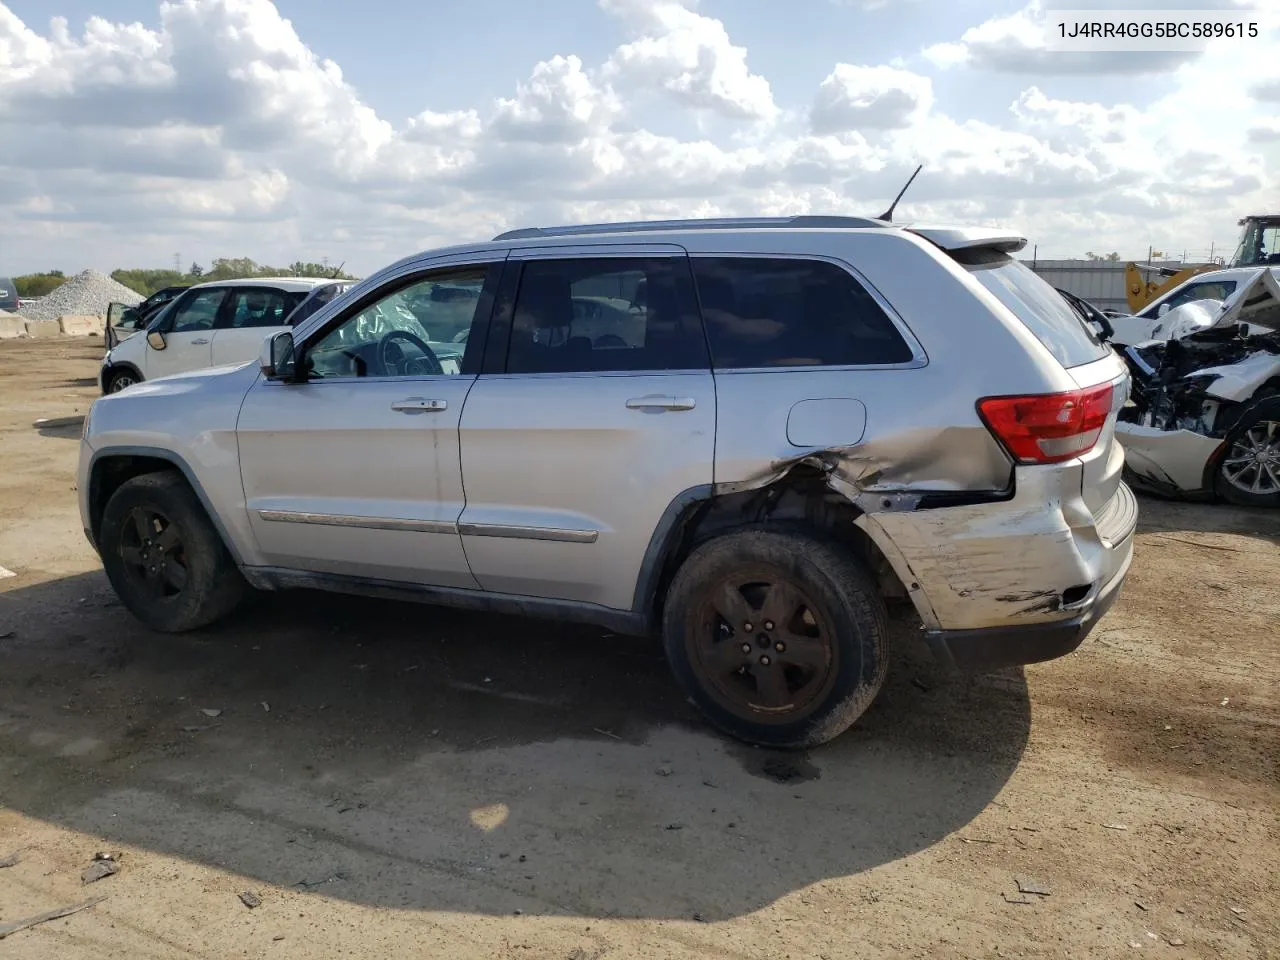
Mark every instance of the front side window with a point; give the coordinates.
(254, 307)
(418, 329)
(1211, 290)
(603, 314)
(197, 311)
(762, 312)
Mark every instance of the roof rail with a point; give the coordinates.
(812, 222)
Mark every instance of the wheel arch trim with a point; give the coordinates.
(109, 370)
(662, 542)
(160, 453)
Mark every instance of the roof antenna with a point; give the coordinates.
(337, 273)
(887, 216)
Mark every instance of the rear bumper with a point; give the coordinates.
(1006, 646)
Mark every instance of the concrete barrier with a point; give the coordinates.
(81, 326)
(43, 329)
(11, 327)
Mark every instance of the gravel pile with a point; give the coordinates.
(86, 294)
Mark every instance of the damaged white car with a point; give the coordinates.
(1203, 419)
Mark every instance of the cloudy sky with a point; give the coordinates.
(132, 130)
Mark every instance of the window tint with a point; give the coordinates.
(417, 330)
(1052, 320)
(791, 313)
(254, 307)
(596, 315)
(197, 311)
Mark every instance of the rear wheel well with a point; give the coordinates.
(110, 472)
(800, 500)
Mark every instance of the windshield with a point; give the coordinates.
(1259, 244)
(1056, 325)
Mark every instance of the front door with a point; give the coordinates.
(599, 413)
(188, 334)
(356, 471)
(251, 315)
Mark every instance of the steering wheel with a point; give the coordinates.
(391, 356)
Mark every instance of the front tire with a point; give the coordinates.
(1248, 474)
(779, 638)
(122, 379)
(163, 556)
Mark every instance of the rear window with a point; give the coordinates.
(763, 312)
(1034, 302)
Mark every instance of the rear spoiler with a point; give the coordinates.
(969, 238)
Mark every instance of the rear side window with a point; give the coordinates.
(1055, 324)
(253, 307)
(600, 315)
(762, 312)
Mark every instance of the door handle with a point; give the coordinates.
(200, 341)
(661, 403)
(419, 405)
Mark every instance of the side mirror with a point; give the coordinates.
(155, 340)
(1164, 308)
(277, 360)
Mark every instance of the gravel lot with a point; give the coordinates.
(409, 781)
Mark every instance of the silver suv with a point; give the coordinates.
(746, 435)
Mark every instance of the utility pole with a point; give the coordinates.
(1211, 260)
(177, 263)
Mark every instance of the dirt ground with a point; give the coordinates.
(400, 780)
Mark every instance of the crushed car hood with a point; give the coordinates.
(1257, 303)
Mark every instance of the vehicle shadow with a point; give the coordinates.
(1158, 515)
(60, 428)
(414, 757)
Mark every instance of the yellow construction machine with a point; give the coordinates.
(1259, 245)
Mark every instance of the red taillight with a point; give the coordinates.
(1048, 427)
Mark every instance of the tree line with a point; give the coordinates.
(146, 282)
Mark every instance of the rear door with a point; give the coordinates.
(251, 315)
(188, 334)
(595, 411)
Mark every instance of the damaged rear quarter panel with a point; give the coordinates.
(994, 563)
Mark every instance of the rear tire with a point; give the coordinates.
(779, 638)
(1252, 458)
(163, 556)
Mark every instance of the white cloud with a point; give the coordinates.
(221, 116)
(869, 98)
(690, 57)
(1268, 91)
(559, 103)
